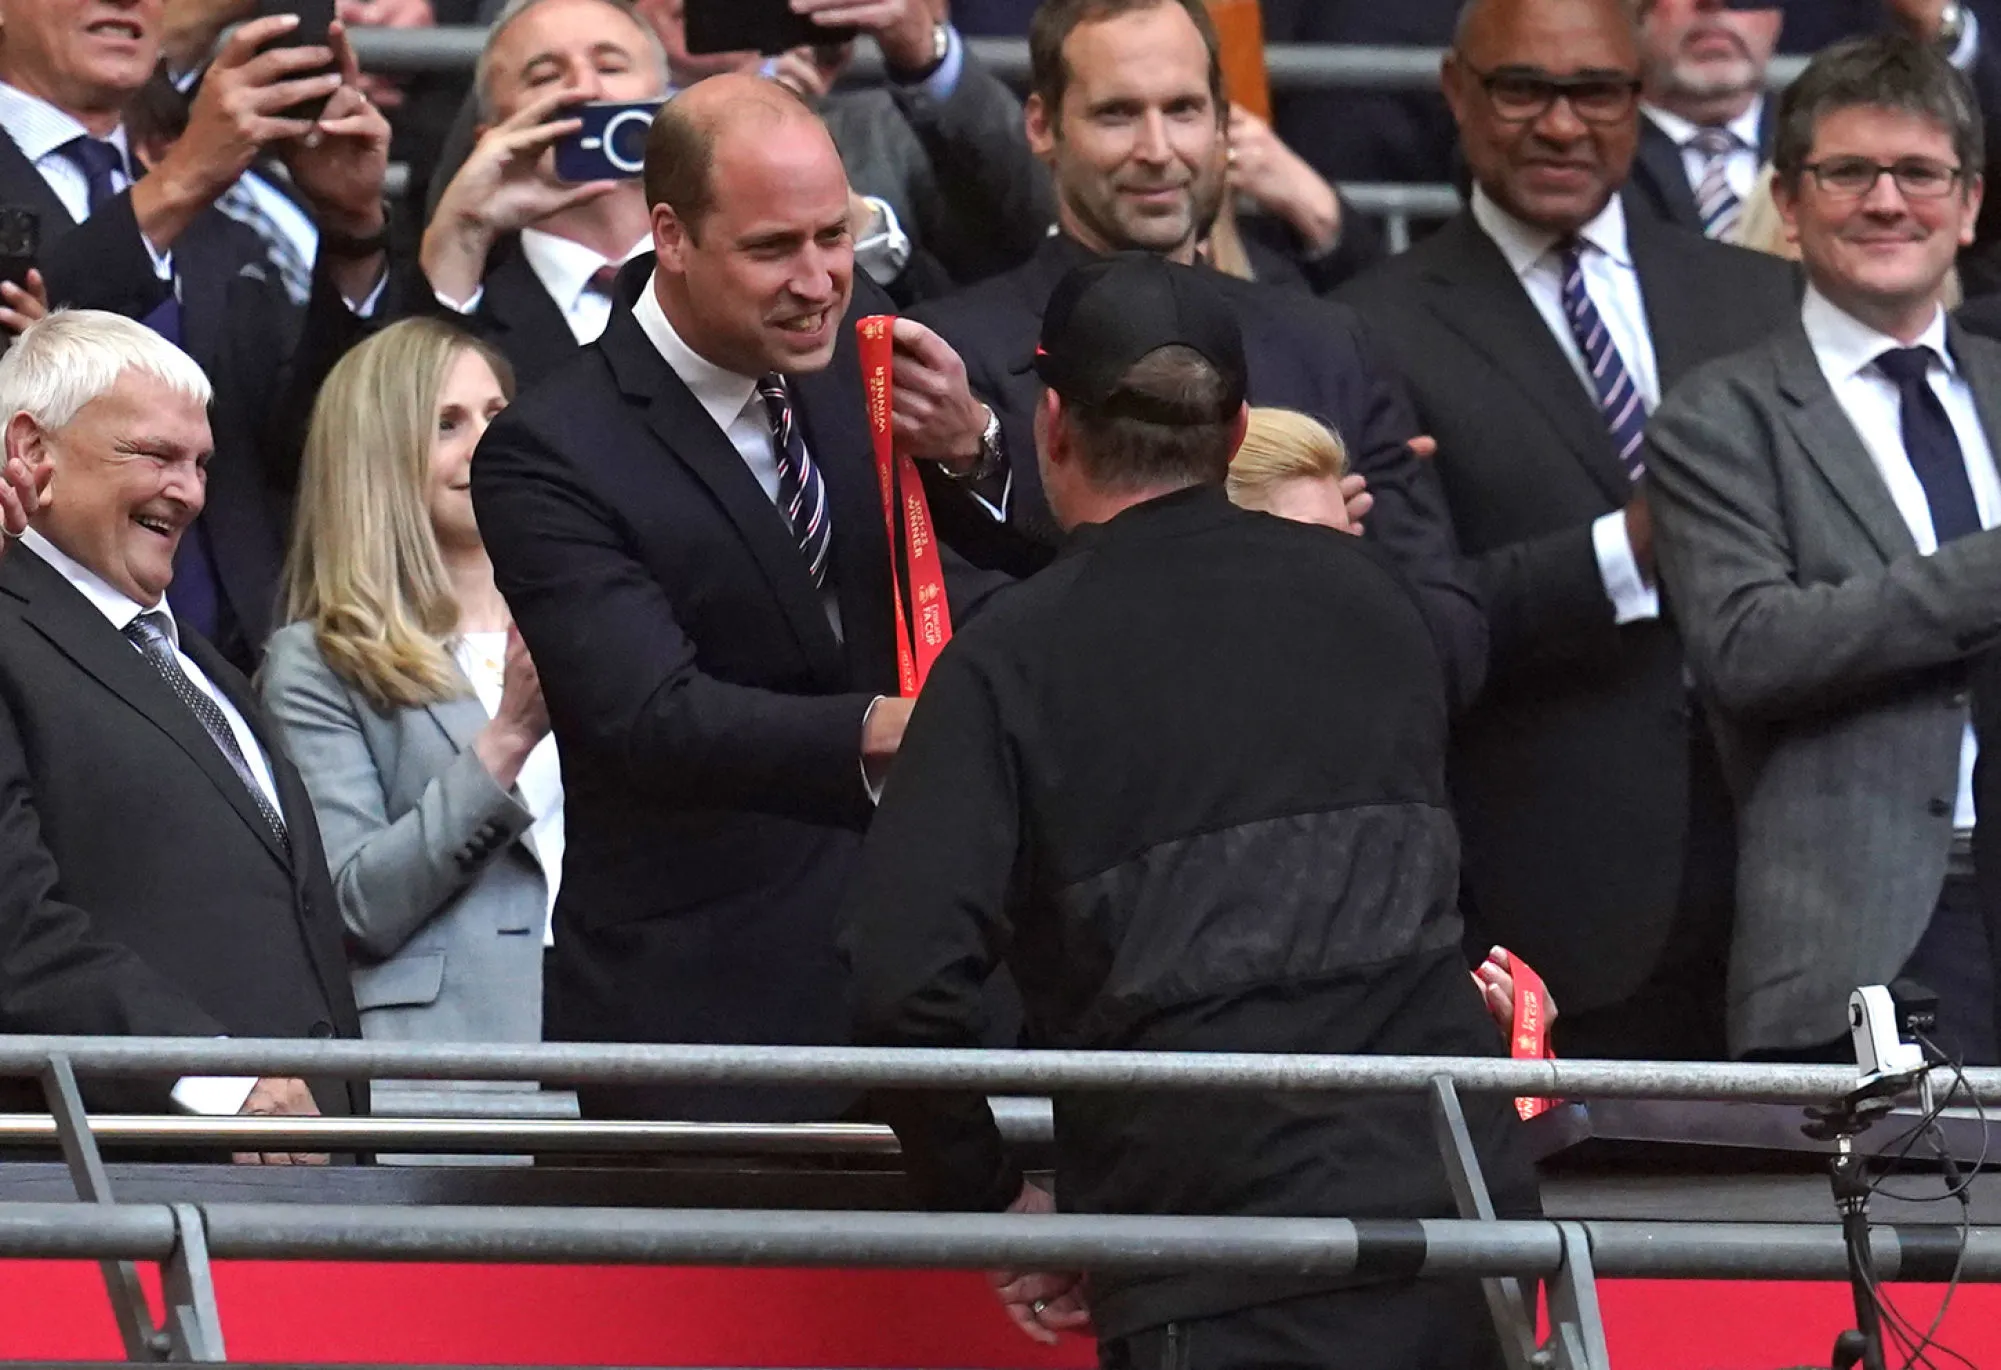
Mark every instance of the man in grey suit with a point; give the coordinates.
(1825, 511)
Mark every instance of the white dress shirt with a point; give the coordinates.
(1614, 287)
(483, 658)
(1744, 162)
(565, 269)
(1847, 350)
(40, 130)
(196, 1094)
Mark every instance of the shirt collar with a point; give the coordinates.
(1747, 126)
(565, 267)
(117, 606)
(723, 394)
(1526, 246)
(38, 128)
(1846, 346)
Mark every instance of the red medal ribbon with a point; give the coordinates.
(1531, 1037)
(903, 492)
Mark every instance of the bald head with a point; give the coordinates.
(714, 120)
(1483, 23)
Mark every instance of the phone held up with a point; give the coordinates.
(20, 242)
(315, 18)
(611, 146)
(762, 26)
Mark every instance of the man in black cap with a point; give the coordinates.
(1188, 783)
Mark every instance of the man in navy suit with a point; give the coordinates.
(686, 522)
(1127, 110)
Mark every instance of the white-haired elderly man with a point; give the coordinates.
(160, 871)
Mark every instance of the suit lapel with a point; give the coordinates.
(1477, 295)
(517, 300)
(687, 432)
(1663, 162)
(59, 613)
(1835, 448)
(204, 266)
(1982, 377)
(23, 185)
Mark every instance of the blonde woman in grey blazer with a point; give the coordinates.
(410, 706)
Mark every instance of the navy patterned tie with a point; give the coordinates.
(149, 634)
(1715, 201)
(1931, 445)
(1618, 398)
(802, 497)
(97, 159)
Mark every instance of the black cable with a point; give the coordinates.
(1913, 1344)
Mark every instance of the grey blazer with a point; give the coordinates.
(439, 883)
(1834, 658)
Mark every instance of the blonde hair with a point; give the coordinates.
(1281, 445)
(364, 567)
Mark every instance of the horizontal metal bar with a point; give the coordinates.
(992, 1072)
(1414, 201)
(86, 1231)
(1770, 1251)
(1290, 66)
(263, 1133)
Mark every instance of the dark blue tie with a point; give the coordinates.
(97, 159)
(1618, 398)
(1931, 445)
(802, 496)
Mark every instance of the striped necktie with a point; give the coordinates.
(1618, 398)
(802, 495)
(1715, 201)
(149, 634)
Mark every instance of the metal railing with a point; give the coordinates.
(1568, 1255)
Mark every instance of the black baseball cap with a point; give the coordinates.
(1108, 315)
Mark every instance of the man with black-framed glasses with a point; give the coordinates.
(1537, 331)
(1830, 537)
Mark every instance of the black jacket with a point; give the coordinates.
(1188, 784)
(710, 719)
(1305, 353)
(140, 890)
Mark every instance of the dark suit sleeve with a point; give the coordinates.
(623, 679)
(103, 263)
(926, 924)
(56, 974)
(994, 201)
(1980, 263)
(1413, 523)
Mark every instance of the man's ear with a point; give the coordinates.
(1240, 429)
(670, 239)
(1056, 433)
(27, 442)
(1039, 121)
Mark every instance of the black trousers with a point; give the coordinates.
(1419, 1325)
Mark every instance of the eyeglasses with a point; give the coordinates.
(1520, 95)
(1917, 178)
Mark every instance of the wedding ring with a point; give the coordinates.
(1037, 1307)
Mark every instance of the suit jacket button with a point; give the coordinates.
(323, 1029)
(1939, 808)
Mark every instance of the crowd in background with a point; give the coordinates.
(580, 736)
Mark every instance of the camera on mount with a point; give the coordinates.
(1886, 1023)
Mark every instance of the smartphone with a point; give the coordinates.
(765, 26)
(20, 242)
(611, 146)
(315, 17)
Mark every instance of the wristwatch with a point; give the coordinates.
(1951, 26)
(347, 247)
(992, 459)
(941, 47)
